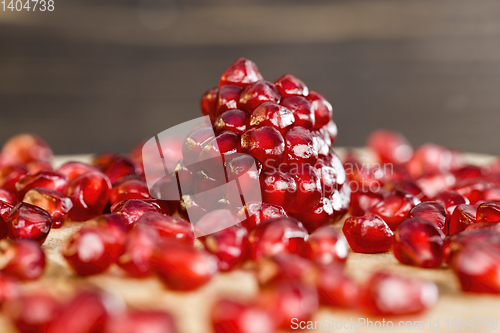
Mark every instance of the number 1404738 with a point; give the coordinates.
(27, 5)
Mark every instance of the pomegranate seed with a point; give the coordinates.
(432, 211)
(265, 144)
(418, 242)
(242, 72)
(259, 212)
(431, 185)
(27, 221)
(120, 167)
(33, 312)
(300, 146)
(141, 321)
(5, 209)
(272, 114)
(469, 172)
(368, 234)
(188, 204)
(450, 200)
(285, 267)
(90, 194)
(228, 316)
(488, 212)
(430, 159)
(8, 197)
(9, 288)
(309, 190)
(86, 312)
(257, 93)
(244, 170)
(47, 179)
(182, 267)
(115, 227)
(229, 245)
(278, 188)
(336, 289)
(326, 246)
(302, 110)
(126, 189)
(23, 259)
(26, 148)
(320, 215)
(456, 243)
(495, 226)
(225, 144)
(87, 251)
(288, 300)
(490, 194)
(10, 175)
(394, 208)
(390, 147)
(478, 268)
(227, 99)
(232, 120)
(322, 113)
(407, 185)
(389, 295)
(208, 102)
(55, 203)
(289, 85)
(75, 169)
(131, 210)
(168, 226)
(364, 199)
(185, 177)
(193, 144)
(139, 247)
(331, 129)
(463, 216)
(277, 235)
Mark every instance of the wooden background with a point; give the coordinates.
(101, 75)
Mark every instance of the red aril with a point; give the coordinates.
(302, 110)
(74, 169)
(289, 85)
(368, 234)
(256, 212)
(138, 251)
(458, 242)
(232, 120)
(120, 167)
(23, 259)
(5, 209)
(337, 289)
(47, 179)
(131, 188)
(326, 246)
(8, 197)
(450, 200)
(257, 93)
(320, 215)
(265, 144)
(90, 195)
(322, 113)
(228, 316)
(272, 114)
(27, 221)
(193, 144)
(432, 211)
(242, 72)
(300, 147)
(390, 146)
(228, 98)
(278, 188)
(363, 199)
(26, 148)
(433, 184)
(488, 212)
(463, 216)
(431, 159)
(208, 102)
(394, 208)
(55, 203)
(285, 267)
(495, 226)
(309, 190)
(131, 210)
(168, 226)
(10, 175)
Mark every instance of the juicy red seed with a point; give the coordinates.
(309, 190)
(10, 175)
(246, 171)
(26, 148)
(90, 194)
(289, 85)
(193, 144)
(227, 99)
(33, 312)
(5, 209)
(407, 185)
(229, 316)
(326, 246)
(278, 188)
(256, 212)
(232, 120)
(131, 210)
(75, 169)
(272, 114)
(456, 243)
(432, 211)
(463, 216)
(302, 110)
(229, 245)
(188, 204)
(418, 242)
(47, 179)
(265, 144)
(472, 189)
(488, 212)
(290, 300)
(129, 189)
(242, 72)
(115, 228)
(277, 235)
(322, 112)
(450, 200)
(328, 178)
(390, 147)
(27, 221)
(139, 321)
(138, 251)
(363, 200)
(208, 102)
(336, 289)
(24, 259)
(120, 167)
(490, 194)
(168, 226)
(102, 161)
(469, 172)
(285, 267)
(55, 203)
(478, 268)
(394, 208)
(320, 215)
(433, 184)
(226, 143)
(300, 146)
(8, 197)
(257, 93)
(495, 226)
(9, 288)
(389, 295)
(182, 267)
(368, 234)
(87, 251)
(86, 312)
(431, 159)
(331, 129)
